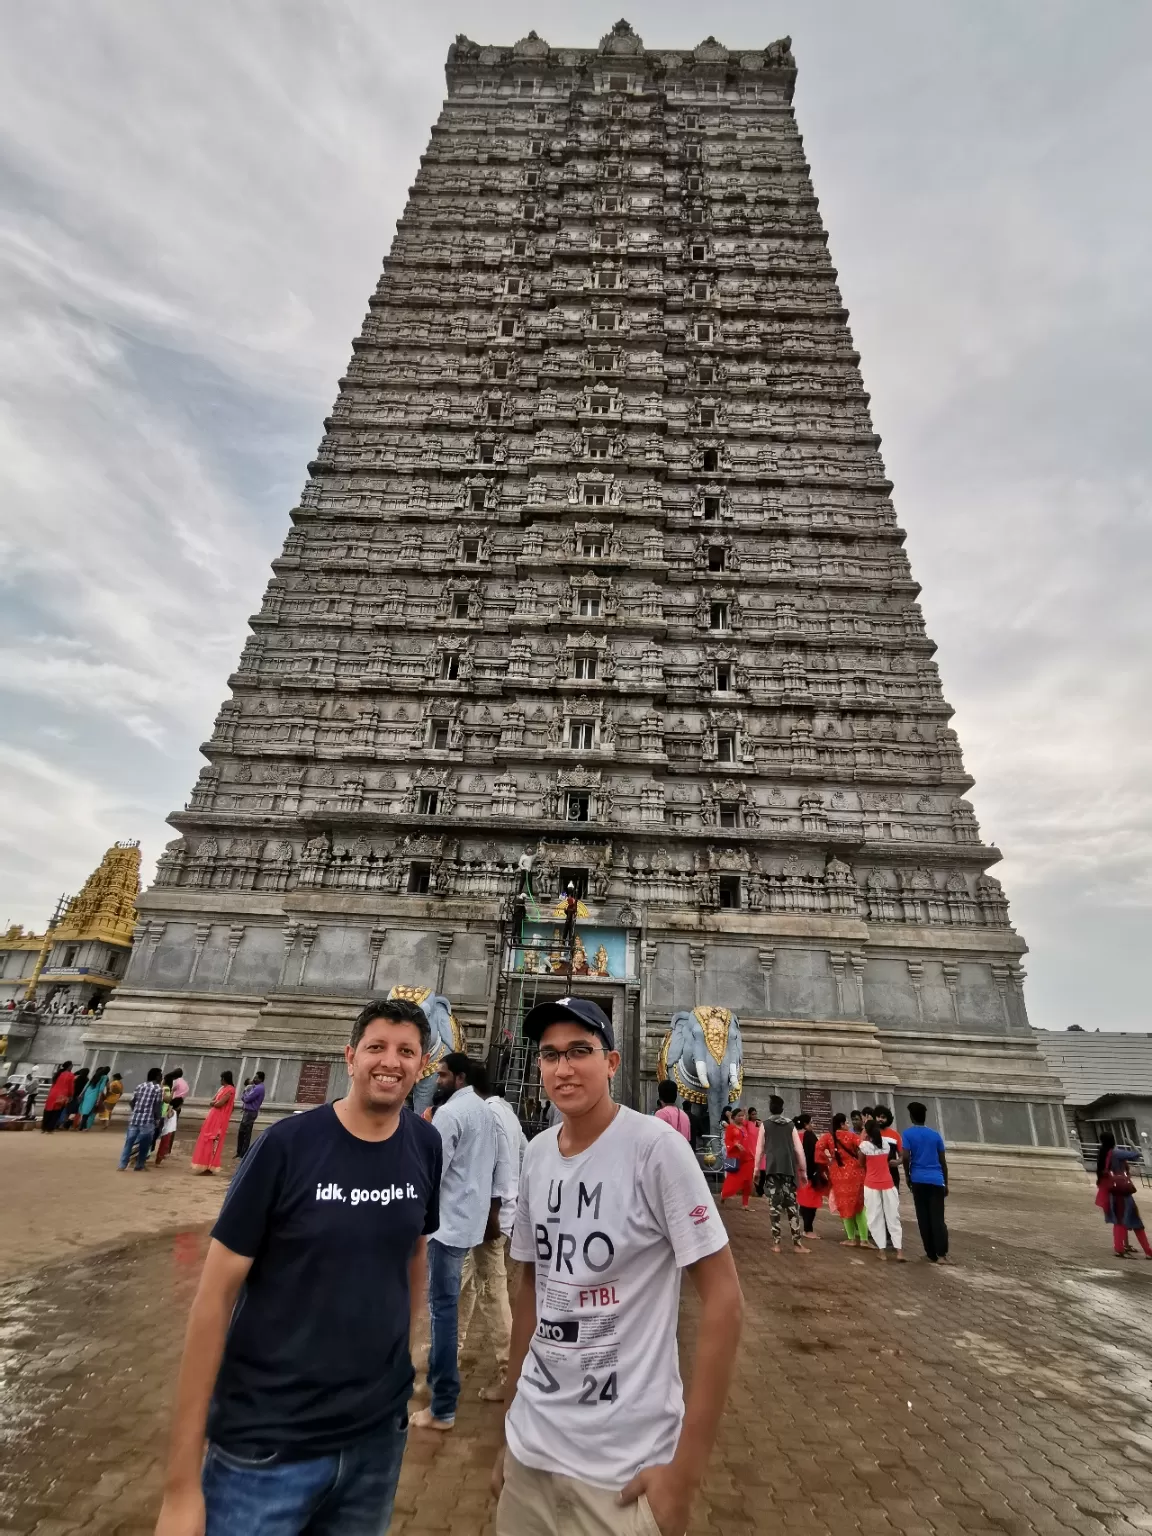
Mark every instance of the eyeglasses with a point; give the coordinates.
(576, 1054)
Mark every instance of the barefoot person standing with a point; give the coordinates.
(612, 1207)
(881, 1197)
(296, 1372)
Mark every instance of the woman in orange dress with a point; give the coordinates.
(739, 1160)
(836, 1150)
(210, 1143)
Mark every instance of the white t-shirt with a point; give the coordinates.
(600, 1394)
(509, 1128)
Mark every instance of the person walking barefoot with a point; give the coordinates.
(881, 1201)
(739, 1161)
(926, 1165)
(784, 1162)
(837, 1150)
(811, 1191)
(1115, 1195)
(209, 1148)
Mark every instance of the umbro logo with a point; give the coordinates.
(699, 1215)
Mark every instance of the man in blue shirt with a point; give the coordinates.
(296, 1368)
(927, 1171)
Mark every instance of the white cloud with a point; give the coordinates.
(55, 825)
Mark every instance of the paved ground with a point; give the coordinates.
(1009, 1393)
(60, 1195)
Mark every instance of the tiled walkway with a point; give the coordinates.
(1009, 1393)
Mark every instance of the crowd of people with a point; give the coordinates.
(59, 1005)
(77, 1100)
(854, 1168)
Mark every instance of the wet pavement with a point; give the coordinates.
(1009, 1393)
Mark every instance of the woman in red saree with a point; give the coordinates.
(836, 1150)
(738, 1180)
(210, 1143)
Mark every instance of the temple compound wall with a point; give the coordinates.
(598, 557)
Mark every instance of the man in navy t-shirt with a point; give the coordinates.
(296, 1365)
(927, 1170)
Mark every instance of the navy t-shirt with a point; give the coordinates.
(317, 1350)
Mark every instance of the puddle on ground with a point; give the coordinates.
(88, 1354)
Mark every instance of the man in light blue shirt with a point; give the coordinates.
(485, 1278)
(469, 1214)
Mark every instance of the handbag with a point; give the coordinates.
(1116, 1180)
(731, 1164)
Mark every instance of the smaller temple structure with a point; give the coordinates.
(52, 982)
(20, 954)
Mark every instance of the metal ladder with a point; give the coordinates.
(515, 1069)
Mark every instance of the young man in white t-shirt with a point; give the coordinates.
(612, 1206)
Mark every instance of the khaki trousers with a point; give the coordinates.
(484, 1283)
(544, 1504)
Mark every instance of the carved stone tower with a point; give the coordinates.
(597, 554)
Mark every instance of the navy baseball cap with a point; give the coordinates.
(570, 1010)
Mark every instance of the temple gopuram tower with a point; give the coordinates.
(598, 557)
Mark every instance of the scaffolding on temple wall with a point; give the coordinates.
(525, 961)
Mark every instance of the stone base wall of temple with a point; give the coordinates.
(834, 1012)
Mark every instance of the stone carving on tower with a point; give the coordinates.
(598, 547)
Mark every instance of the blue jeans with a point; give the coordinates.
(140, 1137)
(349, 1493)
(444, 1267)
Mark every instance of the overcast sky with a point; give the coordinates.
(194, 204)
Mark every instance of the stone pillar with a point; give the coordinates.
(766, 958)
(1017, 973)
(156, 932)
(307, 939)
(916, 976)
(443, 945)
(1002, 978)
(375, 945)
(630, 1047)
(203, 932)
(838, 960)
(291, 931)
(951, 981)
(491, 985)
(859, 963)
(696, 956)
(235, 935)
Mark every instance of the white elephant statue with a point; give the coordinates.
(446, 1036)
(703, 1055)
